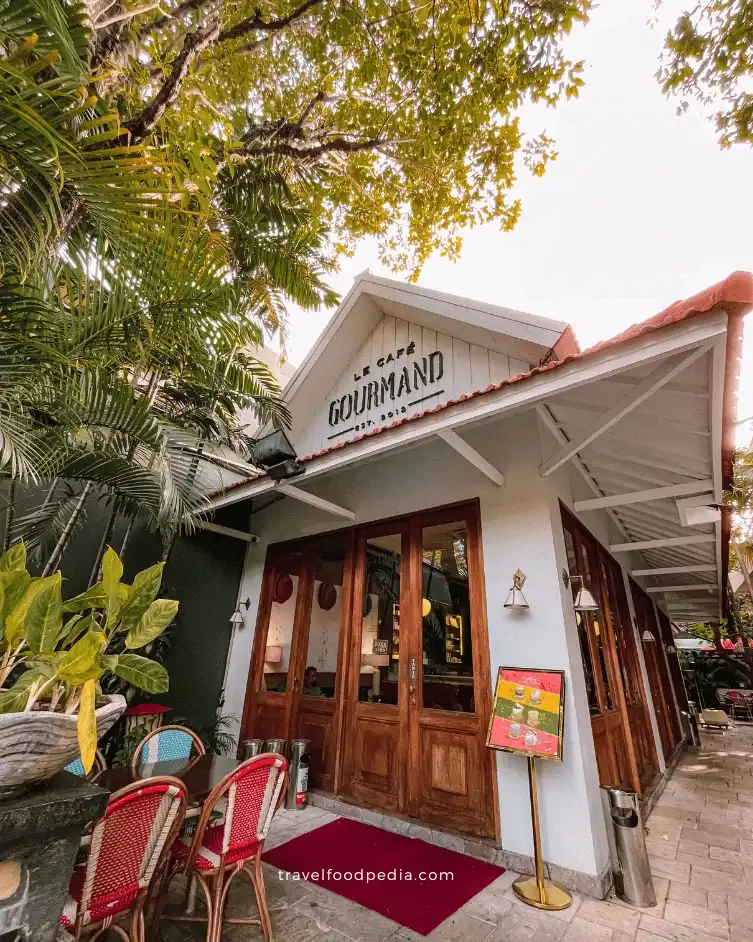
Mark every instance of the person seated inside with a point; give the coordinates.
(311, 686)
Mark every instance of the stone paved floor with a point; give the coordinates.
(701, 846)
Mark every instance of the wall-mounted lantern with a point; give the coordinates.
(515, 598)
(584, 601)
(236, 619)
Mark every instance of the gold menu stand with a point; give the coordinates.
(536, 891)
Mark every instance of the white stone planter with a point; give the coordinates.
(36, 745)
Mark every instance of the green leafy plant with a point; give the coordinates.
(57, 651)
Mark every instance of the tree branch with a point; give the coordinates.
(256, 24)
(194, 44)
(127, 14)
(186, 7)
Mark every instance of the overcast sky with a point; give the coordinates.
(640, 208)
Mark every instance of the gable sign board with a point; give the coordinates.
(406, 380)
(401, 369)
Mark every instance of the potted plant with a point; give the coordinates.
(54, 654)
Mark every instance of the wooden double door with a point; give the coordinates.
(372, 644)
(620, 723)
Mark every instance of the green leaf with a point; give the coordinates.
(152, 623)
(87, 725)
(14, 559)
(142, 593)
(142, 673)
(15, 699)
(92, 598)
(14, 586)
(44, 620)
(112, 571)
(82, 657)
(14, 623)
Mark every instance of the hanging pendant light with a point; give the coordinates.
(515, 598)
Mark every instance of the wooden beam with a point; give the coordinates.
(655, 380)
(638, 497)
(657, 544)
(548, 419)
(227, 531)
(695, 587)
(672, 570)
(478, 461)
(319, 502)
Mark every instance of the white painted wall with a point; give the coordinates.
(520, 528)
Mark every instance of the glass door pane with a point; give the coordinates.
(380, 620)
(320, 673)
(285, 583)
(446, 619)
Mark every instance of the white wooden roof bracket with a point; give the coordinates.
(657, 378)
(461, 446)
(290, 490)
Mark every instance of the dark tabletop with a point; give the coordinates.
(199, 774)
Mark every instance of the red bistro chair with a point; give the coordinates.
(127, 846)
(218, 852)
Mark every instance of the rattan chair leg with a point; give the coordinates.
(257, 875)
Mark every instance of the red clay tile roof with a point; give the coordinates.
(734, 295)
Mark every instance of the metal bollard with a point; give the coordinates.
(633, 883)
(694, 736)
(252, 747)
(298, 775)
(275, 745)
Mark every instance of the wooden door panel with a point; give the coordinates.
(269, 721)
(315, 723)
(375, 762)
(453, 780)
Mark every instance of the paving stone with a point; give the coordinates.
(688, 894)
(740, 911)
(695, 917)
(740, 934)
(580, 930)
(651, 929)
(458, 928)
(609, 914)
(718, 882)
(489, 906)
(693, 848)
(710, 837)
(351, 920)
(665, 849)
(526, 924)
(671, 869)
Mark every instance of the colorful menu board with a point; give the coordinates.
(528, 712)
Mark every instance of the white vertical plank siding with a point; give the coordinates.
(519, 366)
(461, 365)
(499, 367)
(444, 345)
(479, 367)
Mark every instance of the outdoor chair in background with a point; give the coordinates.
(165, 744)
(715, 718)
(219, 852)
(128, 844)
(77, 766)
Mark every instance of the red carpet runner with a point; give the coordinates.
(414, 883)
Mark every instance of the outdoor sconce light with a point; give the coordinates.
(671, 649)
(273, 654)
(275, 454)
(515, 598)
(584, 601)
(647, 636)
(236, 619)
